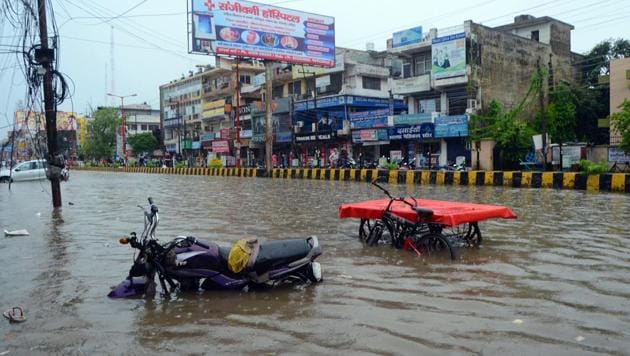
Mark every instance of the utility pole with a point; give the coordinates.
(51, 113)
(541, 97)
(238, 116)
(123, 123)
(268, 113)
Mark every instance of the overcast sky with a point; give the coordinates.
(150, 37)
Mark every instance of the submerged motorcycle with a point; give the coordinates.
(187, 263)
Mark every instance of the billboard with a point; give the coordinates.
(249, 29)
(36, 121)
(451, 126)
(407, 37)
(448, 55)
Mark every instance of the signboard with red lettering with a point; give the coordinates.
(249, 29)
(220, 146)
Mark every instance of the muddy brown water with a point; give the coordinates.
(554, 281)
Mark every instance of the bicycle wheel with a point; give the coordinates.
(365, 227)
(375, 234)
(464, 235)
(431, 244)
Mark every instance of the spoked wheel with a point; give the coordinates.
(365, 228)
(468, 234)
(375, 234)
(431, 244)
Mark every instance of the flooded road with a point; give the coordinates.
(554, 281)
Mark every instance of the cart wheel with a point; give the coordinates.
(432, 244)
(375, 234)
(365, 228)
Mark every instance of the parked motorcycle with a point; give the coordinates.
(186, 263)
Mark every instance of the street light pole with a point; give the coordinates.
(123, 124)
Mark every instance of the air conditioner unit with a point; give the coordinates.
(470, 111)
(472, 104)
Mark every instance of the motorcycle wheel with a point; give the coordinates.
(375, 234)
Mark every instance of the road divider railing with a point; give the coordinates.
(607, 182)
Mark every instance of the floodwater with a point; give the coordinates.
(554, 281)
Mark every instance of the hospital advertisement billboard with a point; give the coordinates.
(255, 30)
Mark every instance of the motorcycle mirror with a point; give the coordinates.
(124, 240)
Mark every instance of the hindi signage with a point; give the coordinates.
(250, 29)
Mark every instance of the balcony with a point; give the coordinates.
(412, 84)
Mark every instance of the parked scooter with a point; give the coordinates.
(187, 263)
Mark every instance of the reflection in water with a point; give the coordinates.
(562, 269)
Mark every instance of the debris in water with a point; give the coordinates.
(39, 214)
(579, 338)
(517, 321)
(22, 232)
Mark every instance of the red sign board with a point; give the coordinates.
(225, 134)
(220, 146)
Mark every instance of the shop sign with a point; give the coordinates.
(314, 137)
(407, 37)
(339, 100)
(220, 146)
(224, 134)
(196, 145)
(213, 108)
(258, 138)
(451, 126)
(448, 55)
(616, 154)
(208, 136)
(369, 135)
(284, 137)
(187, 144)
(412, 119)
(246, 133)
(423, 131)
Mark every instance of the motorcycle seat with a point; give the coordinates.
(275, 253)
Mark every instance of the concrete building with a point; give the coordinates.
(197, 111)
(446, 74)
(619, 91)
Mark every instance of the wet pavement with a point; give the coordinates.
(555, 281)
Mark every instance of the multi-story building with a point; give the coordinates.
(619, 91)
(180, 107)
(197, 111)
(28, 140)
(444, 75)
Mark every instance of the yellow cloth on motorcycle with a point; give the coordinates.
(240, 254)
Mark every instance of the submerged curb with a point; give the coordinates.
(608, 182)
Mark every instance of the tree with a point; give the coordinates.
(560, 114)
(144, 142)
(101, 134)
(593, 97)
(621, 122)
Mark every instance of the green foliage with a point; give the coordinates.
(591, 104)
(590, 167)
(560, 114)
(390, 166)
(101, 134)
(215, 163)
(144, 142)
(597, 61)
(621, 122)
(180, 165)
(151, 164)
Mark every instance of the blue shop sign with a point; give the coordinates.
(414, 132)
(208, 136)
(367, 124)
(451, 126)
(346, 100)
(196, 145)
(284, 137)
(412, 119)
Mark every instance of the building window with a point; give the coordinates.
(372, 83)
(423, 65)
(295, 88)
(246, 79)
(535, 35)
(277, 92)
(143, 127)
(406, 69)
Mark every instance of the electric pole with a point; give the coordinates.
(268, 113)
(46, 60)
(541, 97)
